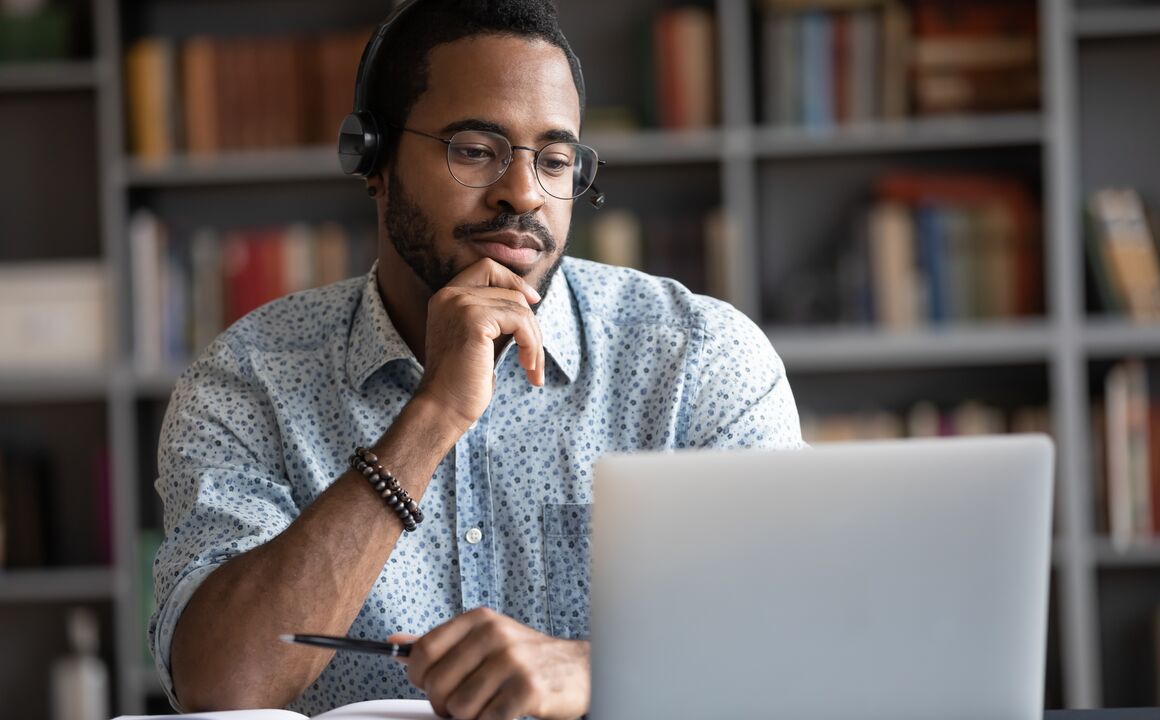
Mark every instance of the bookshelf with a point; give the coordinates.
(784, 189)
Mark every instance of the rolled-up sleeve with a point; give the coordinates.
(741, 397)
(221, 480)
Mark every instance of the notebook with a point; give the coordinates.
(368, 710)
(895, 580)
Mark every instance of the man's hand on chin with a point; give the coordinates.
(486, 666)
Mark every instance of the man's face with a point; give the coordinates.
(519, 88)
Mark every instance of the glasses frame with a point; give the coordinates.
(511, 155)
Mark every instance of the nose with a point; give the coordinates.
(517, 190)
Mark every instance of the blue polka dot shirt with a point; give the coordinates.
(265, 420)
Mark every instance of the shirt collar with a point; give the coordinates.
(374, 341)
(560, 325)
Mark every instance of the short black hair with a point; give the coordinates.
(399, 78)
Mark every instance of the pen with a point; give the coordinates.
(346, 643)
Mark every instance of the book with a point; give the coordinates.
(146, 252)
(892, 267)
(817, 54)
(616, 238)
(895, 68)
(200, 96)
(149, 89)
(1127, 251)
(683, 58)
(54, 316)
(975, 57)
(367, 710)
(1127, 449)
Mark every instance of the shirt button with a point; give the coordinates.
(474, 535)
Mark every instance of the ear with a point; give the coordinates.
(377, 185)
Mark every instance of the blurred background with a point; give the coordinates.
(939, 211)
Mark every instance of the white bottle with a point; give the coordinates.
(80, 681)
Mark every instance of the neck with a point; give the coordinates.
(405, 297)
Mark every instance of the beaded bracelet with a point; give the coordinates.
(387, 487)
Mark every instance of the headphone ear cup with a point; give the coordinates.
(359, 144)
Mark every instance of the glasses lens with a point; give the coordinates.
(566, 170)
(476, 158)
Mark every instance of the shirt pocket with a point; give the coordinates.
(568, 561)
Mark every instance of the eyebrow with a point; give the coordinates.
(555, 135)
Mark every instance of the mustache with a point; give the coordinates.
(526, 223)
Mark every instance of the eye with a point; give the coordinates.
(555, 163)
(472, 152)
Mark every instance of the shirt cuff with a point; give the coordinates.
(167, 621)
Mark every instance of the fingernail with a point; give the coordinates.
(535, 294)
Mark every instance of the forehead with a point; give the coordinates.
(519, 83)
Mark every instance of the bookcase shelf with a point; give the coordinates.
(1108, 339)
(1140, 555)
(647, 147)
(657, 147)
(56, 585)
(49, 76)
(864, 349)
(1114, 22)
(936, 133)
(74, 385)
(155, 383)
(232, 168)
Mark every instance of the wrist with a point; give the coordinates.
(438, 415)
(438, 421)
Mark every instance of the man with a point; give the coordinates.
(484, 371)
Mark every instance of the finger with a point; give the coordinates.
(476, 690)
(527, 336)
(474, 655)
(489, 273)
(511, 701)
(428, 649)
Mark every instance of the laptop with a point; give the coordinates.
(892, 580)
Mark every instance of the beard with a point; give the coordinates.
(412, 235)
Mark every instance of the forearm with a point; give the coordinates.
(313, 577)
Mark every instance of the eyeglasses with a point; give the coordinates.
(477, 158)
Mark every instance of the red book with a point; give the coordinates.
(252, 267)
(666, 60)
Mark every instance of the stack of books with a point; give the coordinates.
(187, 290)
(829, 62)
(208, 95)
(942, 248)
(1126, 456)
(924, 419)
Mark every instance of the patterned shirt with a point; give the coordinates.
(266, 419)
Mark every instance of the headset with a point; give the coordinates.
(360, 137)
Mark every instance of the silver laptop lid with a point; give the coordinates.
(893, 580)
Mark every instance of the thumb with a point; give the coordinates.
(402, 639)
